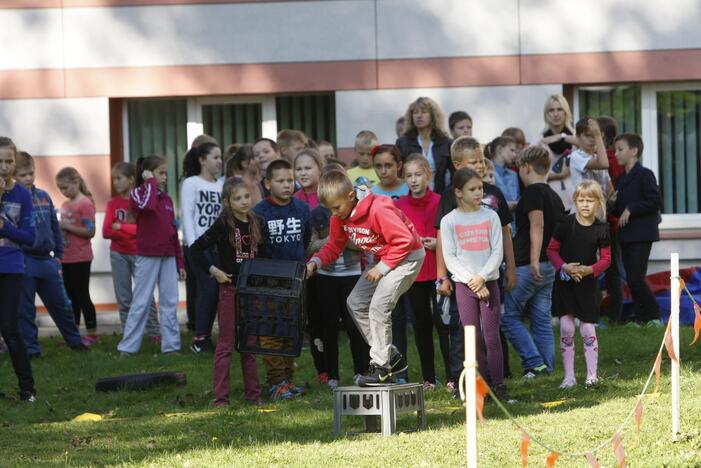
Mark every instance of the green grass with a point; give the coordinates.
(176, 426)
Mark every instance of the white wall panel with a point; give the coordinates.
(216, 34)
(562, 26)
(30, 39)
(57, 127)
(446, 28)
(492, 108)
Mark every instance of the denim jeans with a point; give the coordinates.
(531, 298)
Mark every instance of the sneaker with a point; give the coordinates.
(397, 364)
(85, 341)
(428, 386)
(356, 378)
(333, 384)
(375, 377)
(155, 339)
(80, 347)
(296, 390)
(502, 394)
(90, 340)
(202, 345)
(591, 382)
(124, 354)
(451, 385)
(568, 382)
(281, 391)
(28, 395)
(401, 381)
(632, 325)
(654, 324)
(323, 377)
(530, 374)
(34, 355)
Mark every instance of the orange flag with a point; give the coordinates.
(552, 458)
(593, 461)
(525, 440)
(669, 344)
(638, 416)
(697, 322)
(618, 451)
(482, 391)
(658, 364)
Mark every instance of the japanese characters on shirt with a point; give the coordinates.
(284, 230)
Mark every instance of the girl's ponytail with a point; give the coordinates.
(71, 175)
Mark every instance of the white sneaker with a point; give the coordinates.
(332, 383)
(568, 383)
(591, 382)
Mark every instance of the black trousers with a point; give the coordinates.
(332, 293)
(422, 297)
(190, 289)
(612, 278)
(635, 259)
(76, 278)
(10, 287)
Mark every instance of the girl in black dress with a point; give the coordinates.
(573, 252)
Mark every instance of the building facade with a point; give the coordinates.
(88, 83)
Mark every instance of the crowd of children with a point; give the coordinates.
(432, 230)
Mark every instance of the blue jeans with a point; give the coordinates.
(531, 298)
(43, 276)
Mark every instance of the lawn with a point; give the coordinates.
(175, 426)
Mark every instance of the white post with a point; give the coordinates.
(471, 396)
(674, 330)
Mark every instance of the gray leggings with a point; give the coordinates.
(122, 274)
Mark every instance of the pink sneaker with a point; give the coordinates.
(324, 377)
(89, 340)
(155, 339)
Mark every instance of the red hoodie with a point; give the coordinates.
(156, 235)
(375, 226)
(123, 239)
(422, 212)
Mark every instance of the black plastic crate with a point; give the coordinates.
(270, 307)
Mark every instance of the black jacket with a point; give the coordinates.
(638, 191)
(441, 157)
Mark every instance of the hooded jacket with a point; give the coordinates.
(375, 226)
(47, 231)
(156, 235)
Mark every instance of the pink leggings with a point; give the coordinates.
(484, 316)
(591, 346)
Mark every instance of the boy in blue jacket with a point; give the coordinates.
(638, 203)
(42, 270)
(287, 227)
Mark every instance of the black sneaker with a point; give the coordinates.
(376, 376)
(34, 355)
(397, 364)
(502, 394)
(28, 395)
(202, 345)
(80, 347)
(539, 371)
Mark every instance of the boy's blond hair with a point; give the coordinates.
(333, 185)
(535, 156)
(462, 145)
(366, 139)
(286, 137)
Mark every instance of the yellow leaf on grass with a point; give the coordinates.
(553, 404)
(88, 417)
(266, 410)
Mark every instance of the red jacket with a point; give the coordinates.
(156, 235)
(123, 239)
(422, 213)
(375, 226)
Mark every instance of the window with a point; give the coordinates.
(678, 132)
(233, 123)
(314, 114)
(159, 126)
(620, 102)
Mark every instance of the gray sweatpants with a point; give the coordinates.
(371, 306)
(152, 271)
(123, 267)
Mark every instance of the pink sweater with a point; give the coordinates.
(422, 212)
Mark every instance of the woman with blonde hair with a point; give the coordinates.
(424, 133)
(558, 136)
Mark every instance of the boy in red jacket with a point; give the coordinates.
(375, 226)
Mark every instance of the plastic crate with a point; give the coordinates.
(270, 307)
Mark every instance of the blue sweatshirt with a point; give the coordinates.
(287, 228)
(18, 228)
(48, 233)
